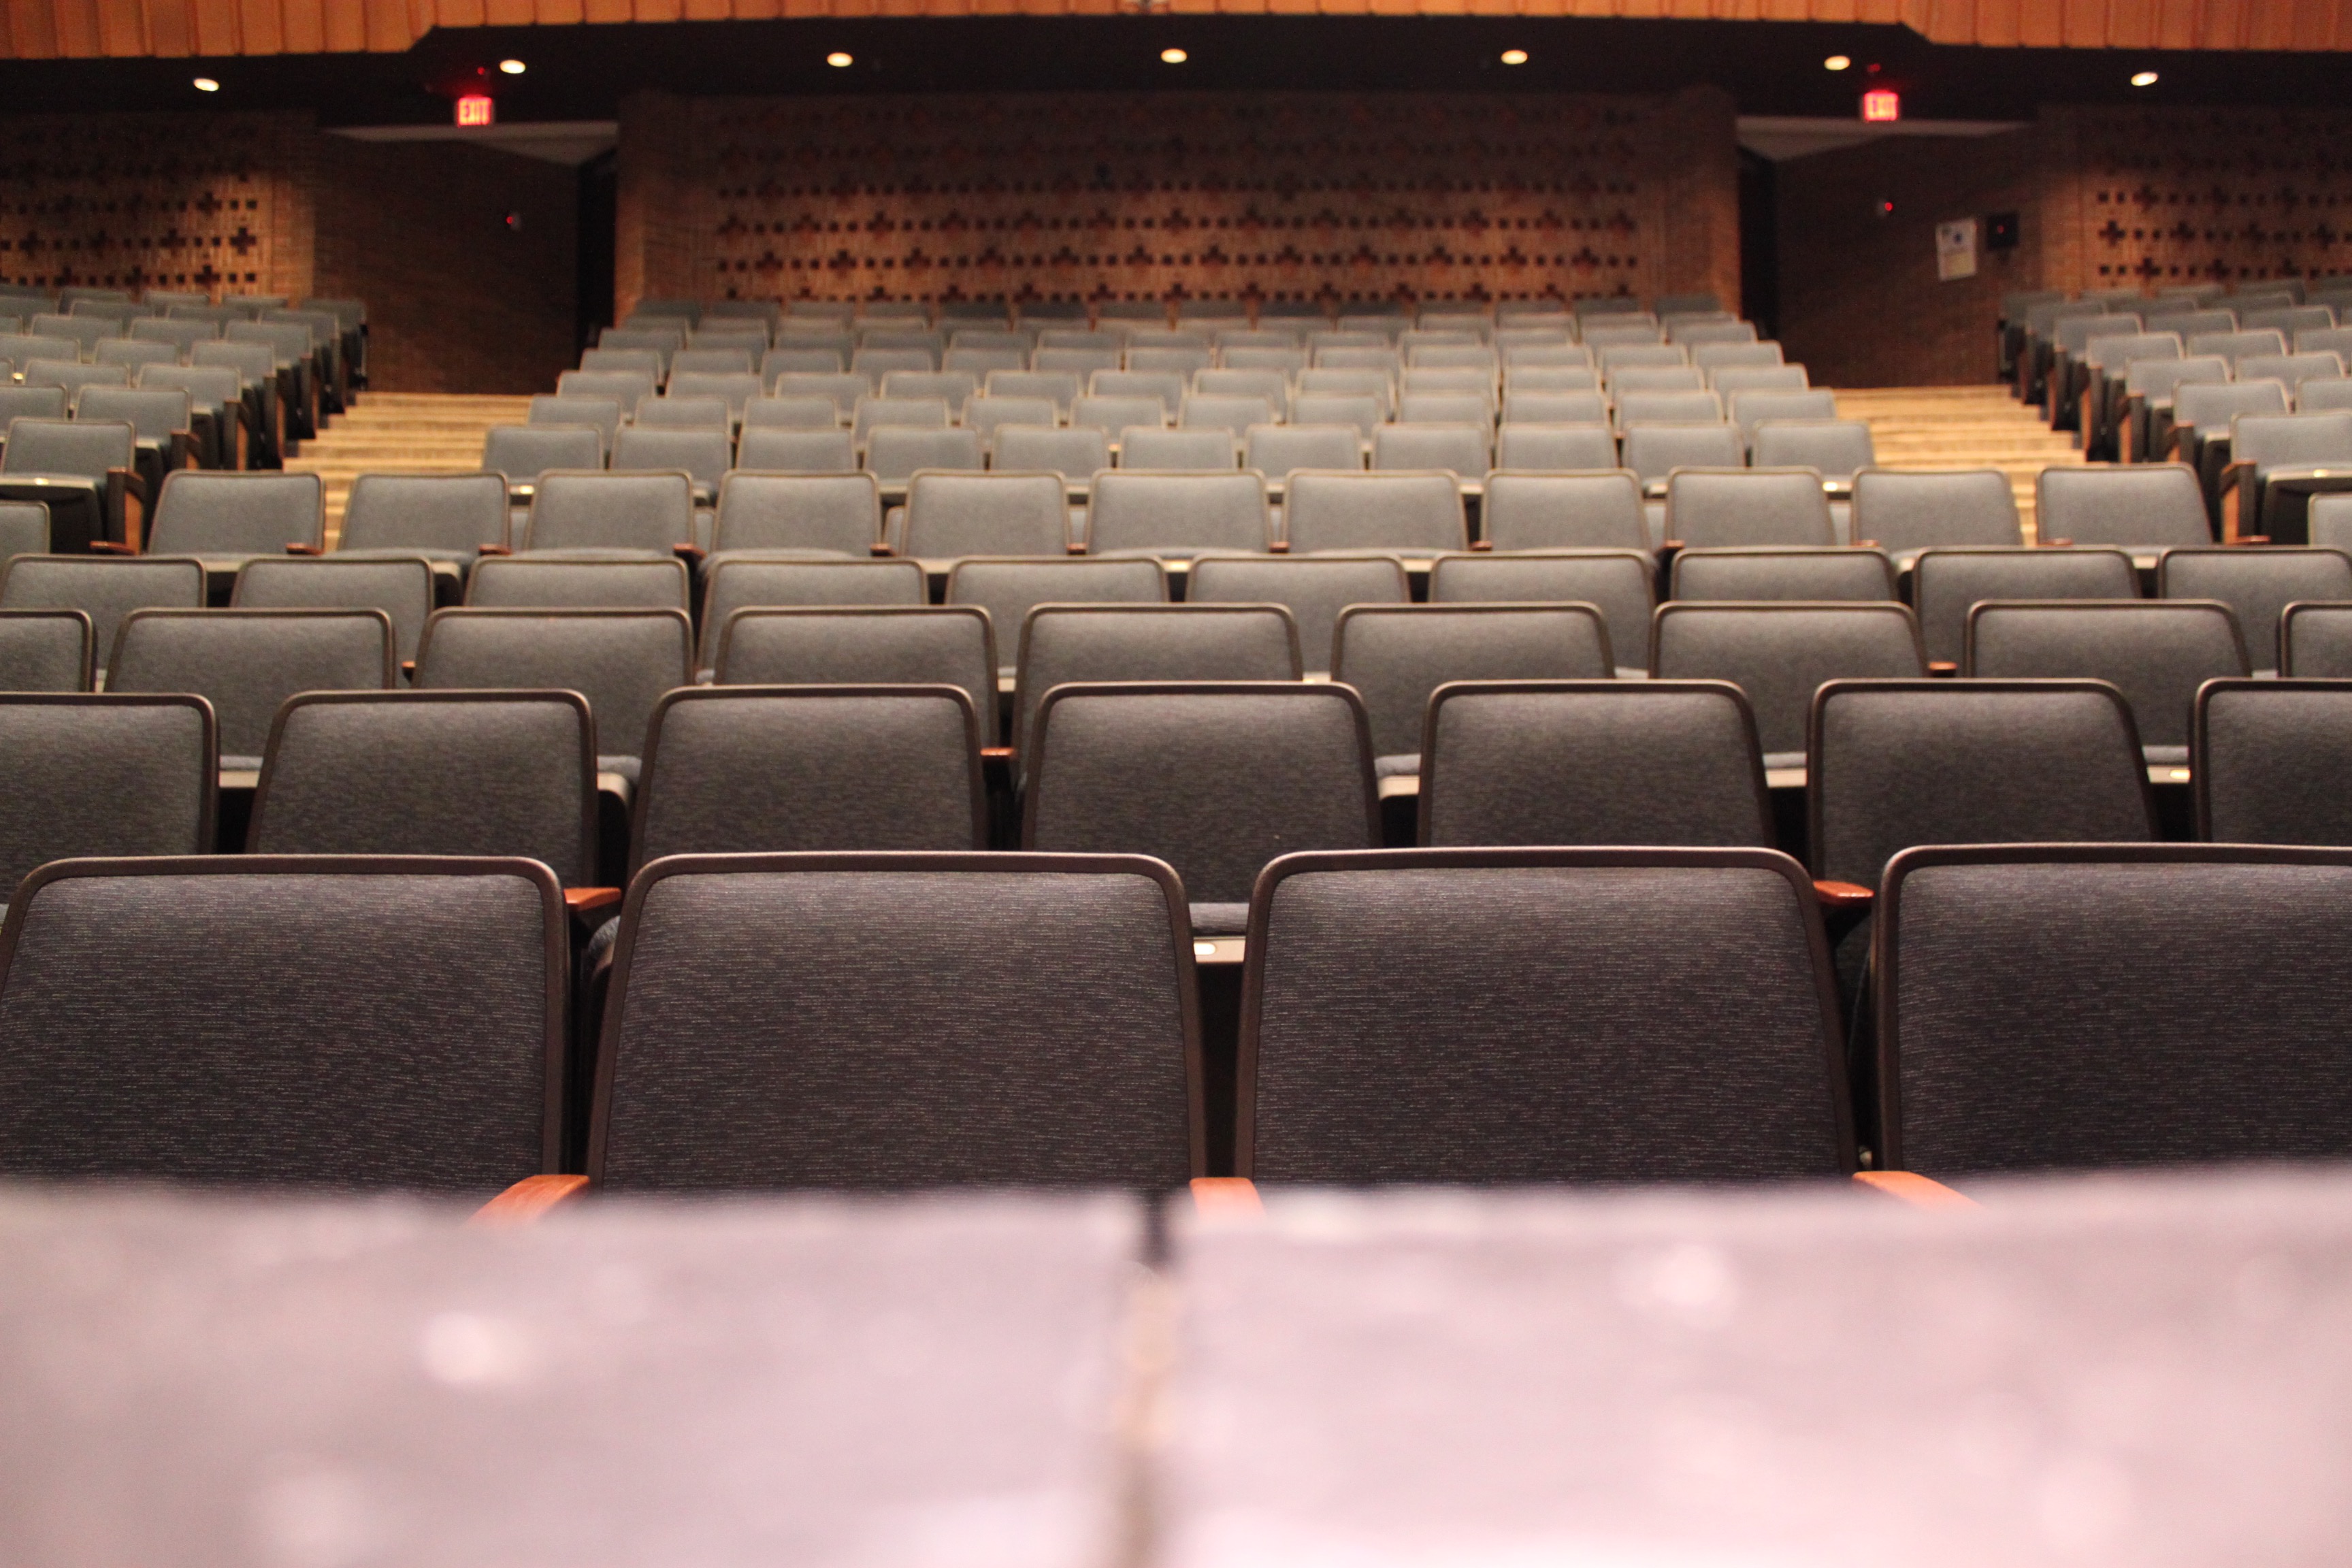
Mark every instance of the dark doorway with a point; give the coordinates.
(600, 200)
(1760, 242)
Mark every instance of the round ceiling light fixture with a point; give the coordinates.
(1838, 63)
(840, 59)
(206, 84)
(1514, 56)
(2143, 79)
(512, 67)
(1174, 56)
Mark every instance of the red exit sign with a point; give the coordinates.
(1878, 104)
(476, 108)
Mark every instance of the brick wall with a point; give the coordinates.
(1299, 196)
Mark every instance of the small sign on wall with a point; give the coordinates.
(1955, 249)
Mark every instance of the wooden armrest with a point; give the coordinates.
(996, 753)
(686, 553)
(588, 901)
(2251, 538)
(110, 547)
(2058, 543)
(1942, 669)
(1277, 547)
(408, 668)
(2237, 470)
(1225, 1197)
(1866, 544)
(1843, 895)
(528, 1201)
(1478, 545)
(1674, 544)
(304, 550)
(132, 482)
(879, 547)
(1919, 1191)
(494, 550)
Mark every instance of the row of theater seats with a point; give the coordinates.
(816, 979)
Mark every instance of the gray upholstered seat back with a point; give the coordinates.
(521, 453)
(900, 1021)
(1400, 510)
(1176, 514)
(767, 769)
(246, 662)
(1779, 654)
(945, 644)
(1275, 449)
(1094, 643)
(1834, 449)
(1599, 510)
(603, 413)
(1200, 448)
(2315, 640)
(81, 448)
(1893, 763)
(23, 529)
(106, 589)
(1764, 572)
(2288, 440)
(1454, 434)
(453, 513)
(1530, 1015)
(523, 581)
(45, 651)
(2209, 406)
(2269, 759)
(2158, 652)
(1008, 589)
(1903, 513)
(2149, 1043)
(1620, 582)
(1074, 452)
(1946, 584)
(772, 450)
(742, 583)
(1653, 451)
(951, 514)
(1602, 762)
(1531, 448)
(621, 660)
(1396, 655)
(206, 513)
(1313, 589)
(2257, 585)
(2137, 504)
(895, 454)
(400, 589)
(287, 1020)
(1215, 779)
(704, 455)
(594, 511)
(433, 773)
(102, 775)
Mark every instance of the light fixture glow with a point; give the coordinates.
(840, 59)
(206, 84)
(2143, 79)
(1514, 56)
(1837, 63)
(1174, 56)
(512, 67)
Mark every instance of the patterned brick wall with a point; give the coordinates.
(1276, 196)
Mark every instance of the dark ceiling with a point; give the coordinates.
(582, 73)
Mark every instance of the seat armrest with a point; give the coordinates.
(880, 547)
(1482, 544)
(1942, 669)
(2251, 539)
(1225, 1197)
(110, 547)
(304, 550)
(585, 901)
(996, 753)
(528, 1201)
(1074, 548)
(495, 550)
(1919, 1191)
(408, 670)
(1866, 544)
(1843, 895)
(690, 553)
(2057, 544)
(1277, 547)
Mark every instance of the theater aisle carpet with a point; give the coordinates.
(1961, 427)
(402, 433)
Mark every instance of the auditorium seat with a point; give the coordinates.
(1626, 380)
(1592, 762)
(2156, 652)
(2277, 461)
(445, 519)
(2144, 508)
(1214, 778)
(1062, 387)
(538, 582)
(845, 391)
(46, 650)
(1667, 408)
(1396, 655)
(1993, 1058)
(989, 414)
(1464, 449)
(104, 589)
(1274, 451)
(1177, 515)
(1554, 449)
(1652, 452)
(246, 662)
(402, 589)
(951, 388)
(620, 660)
(1718, 507)
(670, 411)
(1620, 584)
(793, 413)
(1313, 590)
(1822, 573)
(1097, 643)
(836, 994)
(1779, 654)
(1906, 512)
(2269, 759)
(949, 514)
(29, 403)
(1400, 510)
(23, 529)
(1208, 449)
(2331, 522)
(773, 449)
(84, 472)
(1946, 581)
(2257, 586)
(1482, 1017)
(625, 387)
(522, 454)
(331, 1021)
(1009, 587)
(702, 456)
(112, 775)
(1837, 450)
(1595, 510)
(1077, 453)
(590, 514)
(1115, 412)
(432, 772)
(950, 645)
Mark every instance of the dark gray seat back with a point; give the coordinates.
(1765, 571)
(205, 513)
(1176, 513)
(1512, 1015)
(1780, 653)
(527, 581)
(2140, 504)
(105, 589)
(925, 644)
(1009, 587)
(900, 1021)
(1716, 507)
(2155, 651)
(2258, 584)
(1621, 584)
(1394, 510)
(621, 660)
(400, 589)
(246, 662)
(1564, 512)
(113, 774)
(46, 650)
(435, 514)
(833, 513)
(648, 512)
(1904, 512)
(2315, 640)
(1396, 655)
(1313, 589)
(2268, 759)
(1946, 584)
(1095, 643)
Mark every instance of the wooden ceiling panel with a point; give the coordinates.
(50, 29)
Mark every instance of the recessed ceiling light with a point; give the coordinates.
(1174, 56)
(1837, 63)
(206, 84)
(2143, 79)
(512, 67)
(840, 59)
(1514, 56)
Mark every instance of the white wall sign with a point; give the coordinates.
(1955, 249)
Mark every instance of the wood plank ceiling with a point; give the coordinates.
(51, 29)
